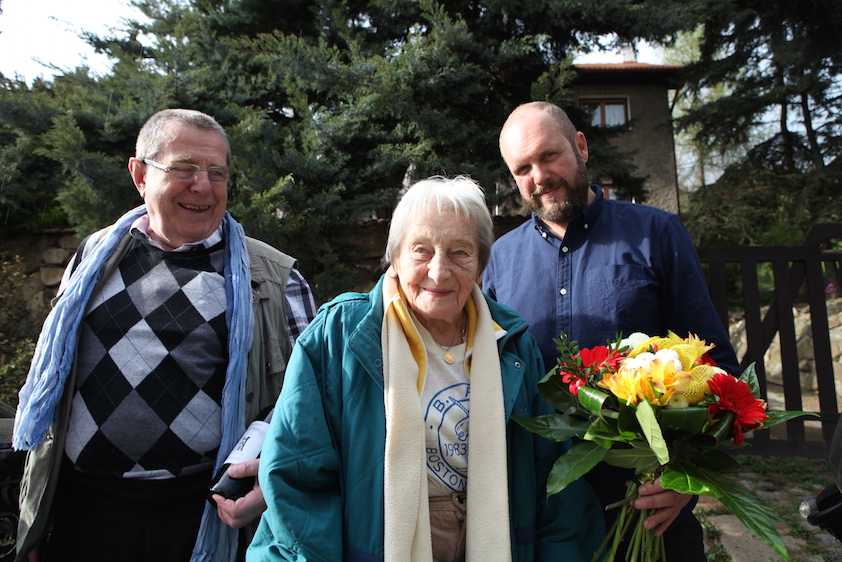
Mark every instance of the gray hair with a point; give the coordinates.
(150, 140)
(460, 194)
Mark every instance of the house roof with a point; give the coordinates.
(628, 73)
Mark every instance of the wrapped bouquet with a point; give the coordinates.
(659, 406)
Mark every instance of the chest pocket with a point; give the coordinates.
(621, 295)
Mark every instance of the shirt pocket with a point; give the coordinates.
(623, 297)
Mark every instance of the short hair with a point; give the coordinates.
(557, 115)
(460, 194)
(150, 139)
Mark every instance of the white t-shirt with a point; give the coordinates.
(445, 405)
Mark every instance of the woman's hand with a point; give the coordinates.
(665, 505)
(240, 512)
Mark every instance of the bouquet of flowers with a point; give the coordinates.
(659, 406)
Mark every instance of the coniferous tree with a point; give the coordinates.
(331, 107)
(781, 64)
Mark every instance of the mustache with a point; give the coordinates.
(552, 184)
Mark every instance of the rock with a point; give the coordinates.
(51, 276)
(56, 256)
(69, 242)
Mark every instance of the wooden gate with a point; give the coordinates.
(797, 271)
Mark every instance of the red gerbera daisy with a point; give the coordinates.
(594, 357)
(734, 395)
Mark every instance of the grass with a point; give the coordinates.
(811, 473)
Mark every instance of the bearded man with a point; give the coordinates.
(592, 267)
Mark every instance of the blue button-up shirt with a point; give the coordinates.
(620, 267)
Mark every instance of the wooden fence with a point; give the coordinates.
(798, 271)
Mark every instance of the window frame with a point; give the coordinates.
(602, 102)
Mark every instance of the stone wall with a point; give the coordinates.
(44, 255)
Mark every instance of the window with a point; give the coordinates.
(605, 113)
(612, 191)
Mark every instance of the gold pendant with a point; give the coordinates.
(449, 358)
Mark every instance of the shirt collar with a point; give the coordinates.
(140, 229)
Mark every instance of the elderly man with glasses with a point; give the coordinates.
(170, 334)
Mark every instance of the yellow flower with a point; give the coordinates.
(701, 345)
(689, 349)
(646, 345)
(687, 354)
(664, 381)
(654, 381)
(623, 384)
(696, 390)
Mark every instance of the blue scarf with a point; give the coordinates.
(56, 350)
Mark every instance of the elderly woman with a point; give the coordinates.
(389, 396)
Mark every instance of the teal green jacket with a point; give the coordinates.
(321, 468)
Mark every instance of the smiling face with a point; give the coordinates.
(183, 211)
(437, 267)
(550, 172)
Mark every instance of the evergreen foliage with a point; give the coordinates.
(780, 65)
(332, 107)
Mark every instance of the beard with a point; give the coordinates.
(562, 209)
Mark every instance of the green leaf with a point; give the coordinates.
(749, 377)
(652, 431)
(574, 464)
(723, 429)
(752, 512)
(627, 419)
(592, 400)
(683, 421)
(555, 427)
(777, 417)
(641, 460)
(684, 483)
(556, 393)
(716, 460)
(605, 430)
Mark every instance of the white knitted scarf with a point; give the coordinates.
(407, 518)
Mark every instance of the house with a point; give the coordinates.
(637, 96)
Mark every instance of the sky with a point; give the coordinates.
(38, 32)
(37, 35)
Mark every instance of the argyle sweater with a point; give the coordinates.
(151, 367)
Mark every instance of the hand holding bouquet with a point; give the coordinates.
(660, 406)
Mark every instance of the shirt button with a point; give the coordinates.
(586, 226)
(565, 249)
(249, 396)
(544, 234)
(563, 292)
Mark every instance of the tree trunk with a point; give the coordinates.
(815, 149)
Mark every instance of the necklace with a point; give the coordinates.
(449, 357)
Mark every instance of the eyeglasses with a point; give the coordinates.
(189, 172)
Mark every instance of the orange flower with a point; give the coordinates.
(734, 395)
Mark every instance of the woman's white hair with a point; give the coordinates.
(461, 194)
